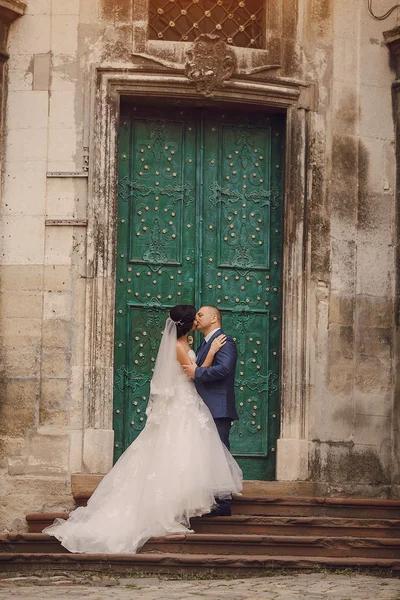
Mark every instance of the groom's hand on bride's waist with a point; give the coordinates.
(189, 370)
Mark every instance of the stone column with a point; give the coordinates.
(392, 38)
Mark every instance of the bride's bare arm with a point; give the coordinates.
(216, 345)
(182, 355)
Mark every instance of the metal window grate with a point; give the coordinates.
(238, 22)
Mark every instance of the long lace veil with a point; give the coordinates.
(166, 368)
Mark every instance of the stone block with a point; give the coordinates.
(45, 455)
(20, 73)
(341, 309)
(375, 267)
(341, 343)
(10, 446)
(345, 60)
(75, 455)
(62, 165)
(39, 7)
(22, 304)
(332, 414)
(57, 333)
(340, 377)
(373, 69)
(22, 495)
(374, 102)
(65, 73)
(376, 219)
(345, 108)
(79, 249)
(54, 394)
(57, 306)
(292, 459)
(77, 396)
(19, 332)
(343, 266)
(372, 430)
(57, 278)
(54, 418)
(348, 463)
(30, 35)
(62, 147)
(368, 403)
(21, 183)
(78, 332)
(62, 110)
(19, 405)
(60, 198)
(64, 32)
(98, 447)
(60, 7)
(55, 363)
(376, 342)
(90, 12)
(346, 23)
(23, 238)
(373, 375)
(41, 72)
(59, 242)
(27, 110)
(26, 145)
(20, 362)
(21, 278)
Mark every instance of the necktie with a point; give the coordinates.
(203, 343)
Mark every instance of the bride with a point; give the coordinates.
(172, 472)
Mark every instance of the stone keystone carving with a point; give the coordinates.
(210, 62)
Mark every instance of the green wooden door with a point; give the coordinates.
(200, 222)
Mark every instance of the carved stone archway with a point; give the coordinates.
(110, 86)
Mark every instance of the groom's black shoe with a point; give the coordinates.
(224, 511)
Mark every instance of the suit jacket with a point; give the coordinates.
(216, 384)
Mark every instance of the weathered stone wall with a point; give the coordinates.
(351, 406)
(45, 276)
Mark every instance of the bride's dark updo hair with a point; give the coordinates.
(183, 315)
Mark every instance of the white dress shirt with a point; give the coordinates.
(209, 335)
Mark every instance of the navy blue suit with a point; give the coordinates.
(216, 384)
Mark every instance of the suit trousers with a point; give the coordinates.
(224, 428)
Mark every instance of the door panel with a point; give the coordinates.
(155, 257)
(242, 236)
(200, 222)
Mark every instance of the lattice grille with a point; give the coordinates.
(238, 22)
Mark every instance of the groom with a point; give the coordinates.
(215, 384)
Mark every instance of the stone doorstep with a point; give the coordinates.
(175, 563)
(83, 485)
(242, 524)
(229, 544)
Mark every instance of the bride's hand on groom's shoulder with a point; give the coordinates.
(218, 343)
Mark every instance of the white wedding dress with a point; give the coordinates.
(173, 471)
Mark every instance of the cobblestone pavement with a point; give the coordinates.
(313, 586)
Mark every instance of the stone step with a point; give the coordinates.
(178, 563)
(226, 544)
(315, 526)
(243, 524)
(276, 545)
(354, 508)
